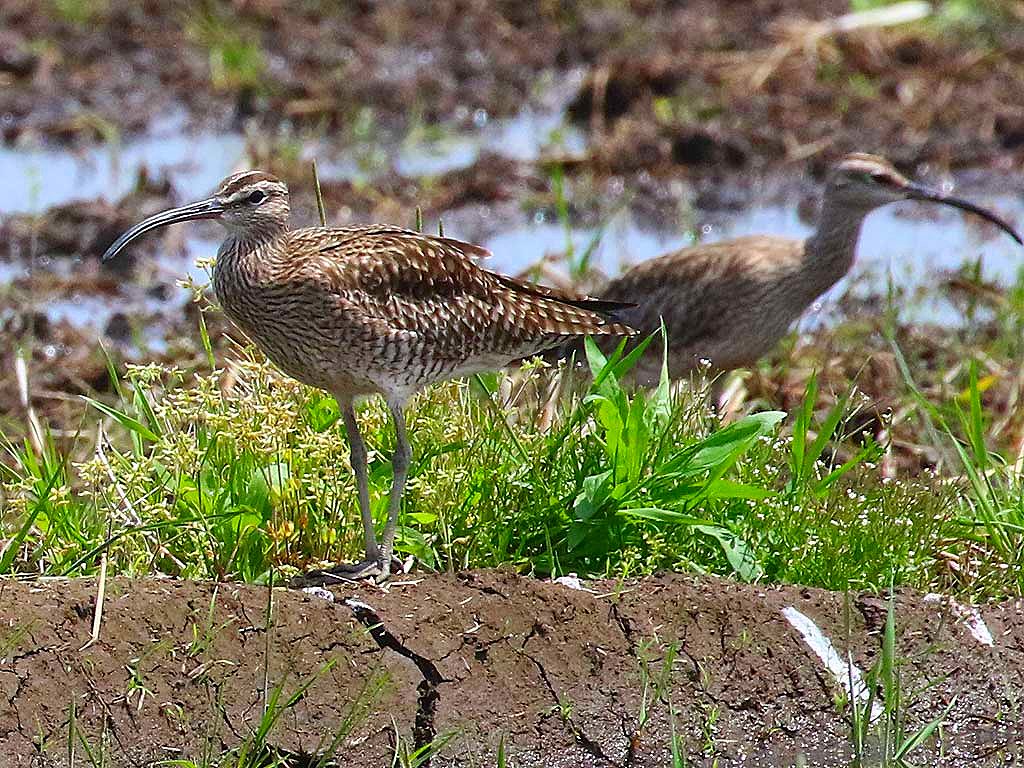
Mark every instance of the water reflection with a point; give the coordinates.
(37, 179)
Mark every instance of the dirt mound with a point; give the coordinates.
(561, 676)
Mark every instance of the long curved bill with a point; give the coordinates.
(203, 209)
(919, 192)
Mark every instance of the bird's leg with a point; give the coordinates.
(357, 457)
(400, 465)
(370, 567)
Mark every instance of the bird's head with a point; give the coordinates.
(865, 182)
(249, 203)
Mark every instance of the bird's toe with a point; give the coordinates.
(343, 572)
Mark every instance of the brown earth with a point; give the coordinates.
(702, 85)
(555, 673)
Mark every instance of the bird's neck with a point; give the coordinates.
(829, 252)
(243, 260)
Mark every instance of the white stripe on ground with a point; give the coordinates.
(320, 592)
(968, 614)
(844, 672)
(572, 581)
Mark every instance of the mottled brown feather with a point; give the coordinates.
(238, 181)
(725, 302)
(384, 307)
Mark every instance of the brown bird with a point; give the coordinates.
(729, 303)
(372, 310)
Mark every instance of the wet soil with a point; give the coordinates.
(702, 85)
(559, 675)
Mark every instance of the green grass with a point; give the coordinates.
(231, 474)
(888, 739)
(236, 58)
(256, 748)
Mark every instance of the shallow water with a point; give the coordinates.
(525, 137)
(911, 245)
(538, 130)
(39, 178)
(82, 310)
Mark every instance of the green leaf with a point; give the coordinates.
(660, 401)
(132, 425)
(143, 407)
(801, 423)
(729, 443)
(727, 489)
(736, 550)
(917, 739)
(595, 357)
(484, 384)
(423, 518)
(593, 492)
(664, 516)
(322, 413)
(825, 432)
(277, 475)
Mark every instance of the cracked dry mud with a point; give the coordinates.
(555, 673)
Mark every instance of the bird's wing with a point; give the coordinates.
(563, 297)
(434, 288)
(697, 290)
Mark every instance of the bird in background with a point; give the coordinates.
(360, 311)
(729, 303)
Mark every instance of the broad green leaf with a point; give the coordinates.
(322, 413)
(593, 492)
(727, 489)
(733, 440)
(736, 550)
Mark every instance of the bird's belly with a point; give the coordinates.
(324, 348)
(303, 351)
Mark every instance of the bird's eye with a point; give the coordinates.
(257, 197)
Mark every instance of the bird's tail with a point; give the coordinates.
(564, 314)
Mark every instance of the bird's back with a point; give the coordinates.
(388, 308)
(728, 302)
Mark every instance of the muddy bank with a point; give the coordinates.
(558, 674)
(702, 85)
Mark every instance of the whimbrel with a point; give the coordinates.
(730, 302)
(372, 310)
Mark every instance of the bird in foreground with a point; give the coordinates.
(372, 310)
(729, 303)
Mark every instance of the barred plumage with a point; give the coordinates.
(729, 303)
(373, 310)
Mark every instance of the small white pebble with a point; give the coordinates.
(323, 594)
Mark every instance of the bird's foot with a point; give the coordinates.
(337, 574)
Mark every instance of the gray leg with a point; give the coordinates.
(400, 464)
(370, 566)
(358, 460)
